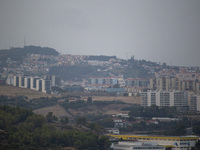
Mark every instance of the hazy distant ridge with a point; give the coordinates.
(18, 54)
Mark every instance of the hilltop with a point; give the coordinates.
(18, 54)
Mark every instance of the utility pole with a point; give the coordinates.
(24, 41)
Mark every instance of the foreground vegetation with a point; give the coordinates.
(139, 120)
(22, 129)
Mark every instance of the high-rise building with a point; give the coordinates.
(27, 82)
(55, 81)
(46, 86)
(174, 83)
(194, 102)
(136, 82)
(152, 84)
(21, 81)
(36, 83)
(16, 81)
(39, 84)
(33, 82)
(104, 80)
(165, 98)
(10, 80)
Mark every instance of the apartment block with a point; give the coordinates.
(21, 81)
(46, 86)
(104, 80)
(33, 82)
(136, 82)
(174, 83)
(43, 85)
(55, 81)
(16, 81)
(165, 98)
(39, 84)
(194, 102)
(10, 80)
(27, 82)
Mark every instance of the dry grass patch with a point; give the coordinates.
(57, 110)
(14, 91)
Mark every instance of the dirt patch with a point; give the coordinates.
(57, 110)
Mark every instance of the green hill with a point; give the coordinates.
(18, 54)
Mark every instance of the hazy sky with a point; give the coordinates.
(156, 30)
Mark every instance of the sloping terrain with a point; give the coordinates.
(57, 110)
(14, 91)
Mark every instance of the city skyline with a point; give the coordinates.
(159, 31)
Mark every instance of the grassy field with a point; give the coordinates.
(57, 110)
(8, 90)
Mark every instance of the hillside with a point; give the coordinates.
(22, 129)
(18, 54)
(16, 91)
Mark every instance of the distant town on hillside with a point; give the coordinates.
(43, 69)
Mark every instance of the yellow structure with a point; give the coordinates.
(170, 142)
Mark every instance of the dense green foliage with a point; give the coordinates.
(106, 122)
(32, 104)
(152, 111)
(21, 129)
(17, 101)
(173, 128)
(196, 126)
(82, 103)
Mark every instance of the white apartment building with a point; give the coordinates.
(194, 102)
(21, 81)
(43, 85)
(27, 82)
(165, 98)
(16, 81)
(10, 80)
(33, 82)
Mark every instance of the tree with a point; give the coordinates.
(65, 120)
(196, 129)
(179, 129)
(103, 143)
(106, 122)
(78, 144)
(50, 117)
(89, 100)
(81, 121)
